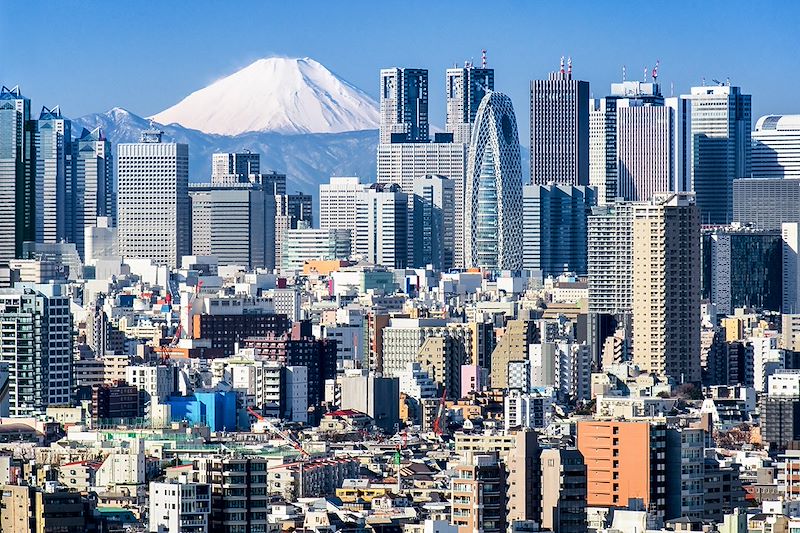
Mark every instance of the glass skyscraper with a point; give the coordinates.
(493, 199)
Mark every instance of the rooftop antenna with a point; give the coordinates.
(645, 74)
(671, 88)
(569, 68)
(655, 71)
(728, 81)
(704, 81)
(561, 70)
(623, 73)
(483, 58)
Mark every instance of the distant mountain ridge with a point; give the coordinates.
(307, 159)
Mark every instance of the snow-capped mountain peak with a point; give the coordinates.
(279, 95)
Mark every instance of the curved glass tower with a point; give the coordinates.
(493, 211)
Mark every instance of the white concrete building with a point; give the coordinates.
(156, 382)
(337, 203)
(776, 147)
(305, 244)
(767, 358)
(154, 212)
(415, 382)
(179, 506)
(382, 226)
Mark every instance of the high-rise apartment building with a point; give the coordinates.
(563, 490)
(92, 186)
(766, 203)
(560, 129)
(478, 490)
(776, 147)
(493, 194)
(17, 192)
(434, 221)
(180, 505)
(381, 235)
(36, 344)
(404, 105)
(720, 148)
(610, 259)
(234, 222)
(625, 461)
(154, 211)
(666, 287)
(465, 87)
(337, 203)
(603, 148)
(554, 222)
(237, 167)
(52, 135)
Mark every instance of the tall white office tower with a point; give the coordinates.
(666, 287)
(37, 347)
(493, 196)
(560, 129)
(433, 223)
(52, 138)
(92, 186)
(776, 147)
(337, 203)
(154, 213)
(17, 202)
(465, 89)
(291, 212)
(234, 222)
(234, 167)
(382, 226)
(404, 105)
(720, 148)
(401, 163)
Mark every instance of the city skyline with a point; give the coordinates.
(688, 50)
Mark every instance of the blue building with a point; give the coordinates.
(216, 409)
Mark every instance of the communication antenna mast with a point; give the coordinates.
(561, 69)
(623, 73)
(569, 68)
(655, 71)
(483, 58)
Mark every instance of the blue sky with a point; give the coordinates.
(89, 56)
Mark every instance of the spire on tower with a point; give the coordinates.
(569, 68)
(483, 58)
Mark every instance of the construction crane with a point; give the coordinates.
(282, 434)
(437, 422)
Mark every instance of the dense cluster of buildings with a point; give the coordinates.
(608, 342)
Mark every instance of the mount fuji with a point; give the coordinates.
(302, 119)
(279, 95)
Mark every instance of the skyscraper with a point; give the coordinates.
(17, 200)
(381, 235)
(493, 196)
(234, 222)
(644, 150)
(433, 223)
(776, 147)
(153, 200)
(52, 138)
(766, 203)
(226, 167)
(92, 186)
(337, 203)
(610, 258)
(720, 148)
(404, 105)
(292, 211)
(666, 287)
(554, 220)
(465, 87)
(603, 148)
(560, 129)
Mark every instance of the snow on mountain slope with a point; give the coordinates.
(278, 95)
